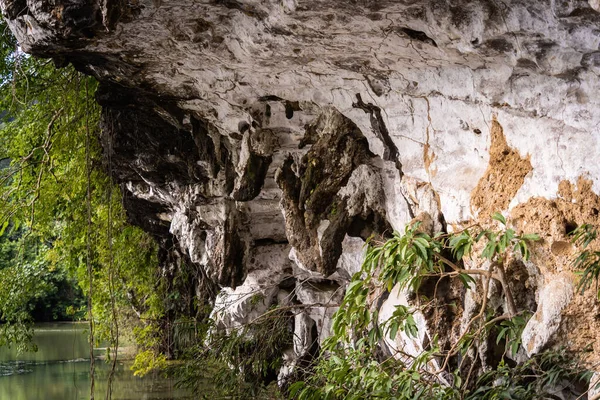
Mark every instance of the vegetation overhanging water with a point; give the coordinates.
(60, 370)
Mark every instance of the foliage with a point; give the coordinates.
(149, 358)
(510, 331)
(536, 378)
(147, 361)
(50, 156)
(354, 363)
(239, 363)
(405, 261)
(587, 262)
(37, 289)
(356, 374)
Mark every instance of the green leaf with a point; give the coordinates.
(296, 387)
(421, 250)
(393, 329)
(466, 280)
(390, 285)
(489, 251)
(501, 335)
(499, 217)
(354, 286)
(514, 348)
(480, 235)
(524, 250)
(423, 241)
(502, 243)
(4, 226)
(533, 237)
(410, 326)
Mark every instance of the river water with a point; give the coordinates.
(60, 370)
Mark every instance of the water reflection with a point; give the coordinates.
(60, 371)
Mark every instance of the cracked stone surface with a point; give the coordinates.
(269, 139)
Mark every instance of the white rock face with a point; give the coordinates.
(594, 386)
(353, 253)
(321, 301)
(403, 343)
(554, 297)
(236, 307)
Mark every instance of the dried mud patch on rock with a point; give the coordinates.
(504, 176)
(553, 220)
(580, 327)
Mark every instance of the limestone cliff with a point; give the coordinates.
(268, 139)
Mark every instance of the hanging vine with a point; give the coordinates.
(88, 169)
(60, 216)
(114, 328)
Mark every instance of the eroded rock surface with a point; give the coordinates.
(268, 140)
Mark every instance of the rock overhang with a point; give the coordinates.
(205, 105)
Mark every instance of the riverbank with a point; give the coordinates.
(60, 369)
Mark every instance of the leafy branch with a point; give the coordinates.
(587, 263)
(409, 263)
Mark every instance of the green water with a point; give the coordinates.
(59, 370)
